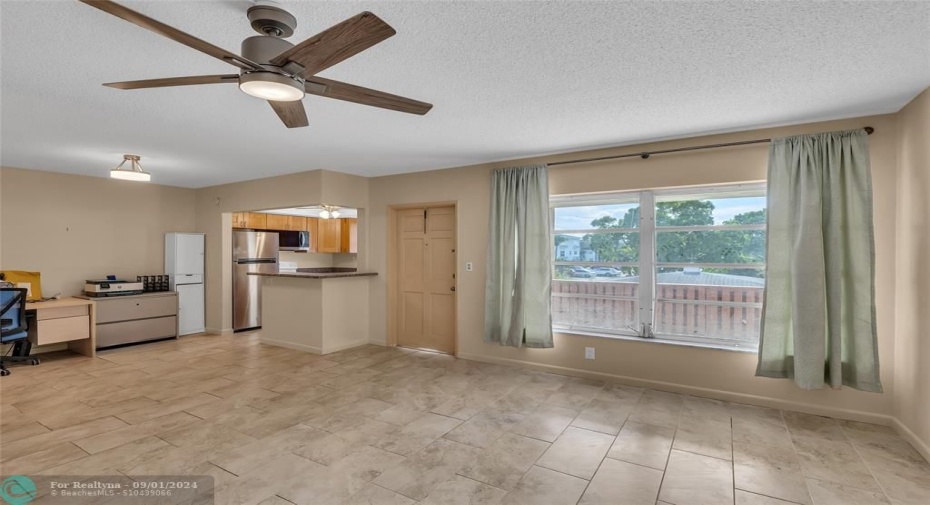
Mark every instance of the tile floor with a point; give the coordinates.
(390, 426)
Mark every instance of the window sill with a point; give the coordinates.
(656, 340)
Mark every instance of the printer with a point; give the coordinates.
(112, 287)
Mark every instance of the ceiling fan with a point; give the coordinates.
(274, 69)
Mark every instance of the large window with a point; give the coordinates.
(675, 264)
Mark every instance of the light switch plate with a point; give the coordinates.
(469, 266)
(588, 353)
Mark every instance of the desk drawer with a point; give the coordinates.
(136, 331)
(64, 329)
(59, 312)
(136, 308)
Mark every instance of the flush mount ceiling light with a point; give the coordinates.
(271, 86)
(133, 173)
(329, 212)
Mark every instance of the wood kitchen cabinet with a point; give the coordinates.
(255, 220)
(249, 220)
(276, 222)
(296, 223)
(313, 228)
(326, 235)
(349, 235)
(330, 235)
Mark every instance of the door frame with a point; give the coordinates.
(393, 257)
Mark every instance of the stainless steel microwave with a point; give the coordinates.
(293, 240)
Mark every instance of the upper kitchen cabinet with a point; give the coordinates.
(314, 228)
(330, 235)
(296, 223)
(326, 234)
(276, 222)
(256, 220)
(349, 235)
(248, 220)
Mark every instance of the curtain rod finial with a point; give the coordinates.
(869, 130)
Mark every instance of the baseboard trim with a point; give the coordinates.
(762, 401)
(291, 345)
(218, 331)
(922, 447)
(343, 347)
(310, 348)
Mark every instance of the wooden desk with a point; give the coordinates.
(70, 320)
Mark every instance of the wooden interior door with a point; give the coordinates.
(426, 278)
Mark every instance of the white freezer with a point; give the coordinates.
(190, 309)
(184, 264)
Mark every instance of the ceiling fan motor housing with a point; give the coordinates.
(272, 21)
(262, 50)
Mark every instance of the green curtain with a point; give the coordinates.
(517, 307)
(818, 318)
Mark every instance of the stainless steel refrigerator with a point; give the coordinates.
(253, 251)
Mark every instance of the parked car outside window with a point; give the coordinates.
(607, 272)
(582, 272)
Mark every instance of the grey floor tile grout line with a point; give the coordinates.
(480, 482)
(732, 456)
(866, 464)
(601, 462)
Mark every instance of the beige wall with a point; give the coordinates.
(73, 227)
(719, 373)
(216, 203)
(912, 345)
(306, 260)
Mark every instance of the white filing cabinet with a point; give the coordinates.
(136, 318)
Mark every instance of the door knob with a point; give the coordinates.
(452, 288)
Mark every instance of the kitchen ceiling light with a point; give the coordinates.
(133, 173)
(329, 212)
(271, 86)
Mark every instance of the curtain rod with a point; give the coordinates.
(646, 154)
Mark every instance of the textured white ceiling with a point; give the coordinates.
(508, 79)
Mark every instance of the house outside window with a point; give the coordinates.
(684, 265)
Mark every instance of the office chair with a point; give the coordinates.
(13, 327)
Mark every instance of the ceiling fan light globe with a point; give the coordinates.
(324, 214)
(130, 175)
(271, 86)
(335, 214)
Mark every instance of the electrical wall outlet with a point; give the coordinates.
(588, 353)
(469, 266)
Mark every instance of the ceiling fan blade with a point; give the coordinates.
(172, 33)
(175, 81)
(351, 93)
(337, 43)
(291, 113)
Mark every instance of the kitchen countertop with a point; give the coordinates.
(317, 273)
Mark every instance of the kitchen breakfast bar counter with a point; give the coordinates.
(318, 310)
